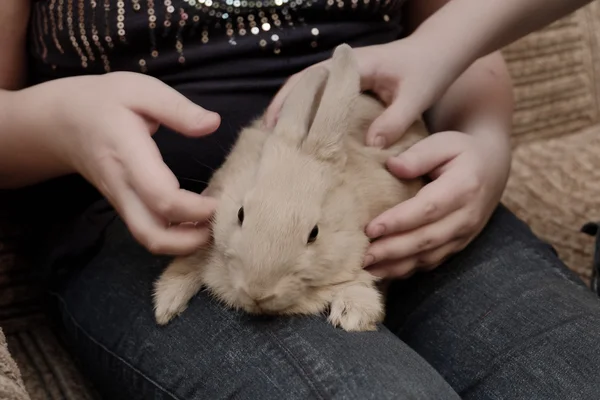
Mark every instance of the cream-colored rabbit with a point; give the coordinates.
(288, 233)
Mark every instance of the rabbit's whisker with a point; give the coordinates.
(203, 164)
(192, 180)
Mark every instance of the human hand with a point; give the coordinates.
(468, 175)
(404, 74)
(101, 127)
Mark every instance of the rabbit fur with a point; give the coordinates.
(312, 177)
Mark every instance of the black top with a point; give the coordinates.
(210, 45)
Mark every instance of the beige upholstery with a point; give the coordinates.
(554, 182)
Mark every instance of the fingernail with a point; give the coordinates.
(377, 231)
(369, 259)
(204, 117)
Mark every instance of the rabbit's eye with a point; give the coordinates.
(241, 215)
(313, 234)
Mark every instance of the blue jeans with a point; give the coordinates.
(503, 319)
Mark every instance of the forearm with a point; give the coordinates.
(470, 29)
(479, 102)
(14, 21)
(25, 159)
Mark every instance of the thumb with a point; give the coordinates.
(392, 123)
(159, 102)
(426, 155)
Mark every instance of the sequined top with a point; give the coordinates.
(210, 44)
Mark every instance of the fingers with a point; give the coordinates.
(433, 202)
(159, 189)
(161, 103)
(154, 232)
(425, 261)
(455, 226)
(392, 123)
(147, 195)
(426, 155)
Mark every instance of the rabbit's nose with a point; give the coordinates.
(271, 304)
(261, 301)
(265, 299)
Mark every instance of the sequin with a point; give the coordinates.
(96, 40)
(45, 18)
(152, 27)
(121, 25)
(142, 64)
(257, 21)
(53, 26)
(40, 38)
(169, 14)
(107, 36)
(71, 31)
(61, 3)
(82, 32)
(179, 36)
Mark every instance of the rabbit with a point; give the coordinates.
(288, 232)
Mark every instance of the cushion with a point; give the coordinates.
(555, 187)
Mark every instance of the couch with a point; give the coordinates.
(554, 186)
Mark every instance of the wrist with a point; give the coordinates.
(29, 152)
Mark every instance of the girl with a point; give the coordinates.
(142, 98)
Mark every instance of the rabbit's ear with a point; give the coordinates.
(298, 110)
(330, 124)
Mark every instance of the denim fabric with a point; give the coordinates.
(504, 319)
(213, 353)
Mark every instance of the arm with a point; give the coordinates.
(22, 158)
(481, 97)
(479, 102)
(470, 29)
(468, 159)
(14, 20)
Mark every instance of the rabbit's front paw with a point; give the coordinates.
(171, 296)
(168, 302)
(357, 308)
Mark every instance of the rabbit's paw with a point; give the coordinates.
(357, 308)
(171, 296)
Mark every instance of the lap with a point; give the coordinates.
(212, 352)
(503, 319)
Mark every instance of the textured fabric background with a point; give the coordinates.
(554, 183)
(554, 186)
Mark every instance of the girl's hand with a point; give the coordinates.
(469, 174)
(404, 74)
(101, 126)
